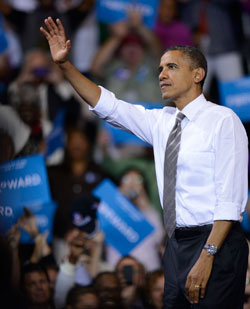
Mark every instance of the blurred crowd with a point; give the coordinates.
(78, 269)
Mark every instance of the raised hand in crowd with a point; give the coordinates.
(13, 238)
(76, 242)
(41, 249)
(28, 223)
(95, 245)
(136, 24)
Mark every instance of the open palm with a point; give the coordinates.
(55, 35)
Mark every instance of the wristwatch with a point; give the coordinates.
(211, 249)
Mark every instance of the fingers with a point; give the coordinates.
(202, 292)
(45, 33)
(60, 26)
(68, 44)
(27, 212)
(52, 28)
(194, 291)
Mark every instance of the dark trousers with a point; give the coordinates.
(226, 285)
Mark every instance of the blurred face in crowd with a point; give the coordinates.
(167, 11)
(37, 66)
(108, 291)
(132, 53)
(30, 114)
(77, 145)
(85, 301)
(131, 184)
(47, 4)
(37, 287)
(52, 273)
(156, 293)
(137, 278)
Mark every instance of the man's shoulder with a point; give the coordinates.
(220, 110)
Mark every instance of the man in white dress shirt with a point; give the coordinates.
(206, 258)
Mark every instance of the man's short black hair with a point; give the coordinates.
(197, 58)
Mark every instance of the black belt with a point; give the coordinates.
(183, 232)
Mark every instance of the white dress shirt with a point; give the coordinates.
(212, 167)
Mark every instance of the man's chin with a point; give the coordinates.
(169, 102)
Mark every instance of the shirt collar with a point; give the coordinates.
(192, 108)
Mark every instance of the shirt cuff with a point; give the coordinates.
(105, 104)
(227, 211)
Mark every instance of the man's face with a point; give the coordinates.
(87, 301)
(37, 287)
(177, 79)
(157, 292)
(136, 280)
(108, 291)
(77, 145)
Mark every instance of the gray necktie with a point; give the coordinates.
(170, 163)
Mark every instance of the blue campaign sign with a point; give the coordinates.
(112, 11)
(23, 183)
(236, 95)
(123, 224)
(55, 139)
(44, 214)
(3, 38)
(121, 137)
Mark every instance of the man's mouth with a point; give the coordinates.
(165, 85)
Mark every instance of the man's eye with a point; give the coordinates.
(172, 66)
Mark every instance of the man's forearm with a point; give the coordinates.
(219, 232)
(199, 275)
(87, 90)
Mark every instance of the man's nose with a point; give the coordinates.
(163, 75)
(39, 286)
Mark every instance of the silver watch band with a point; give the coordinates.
(211, 249)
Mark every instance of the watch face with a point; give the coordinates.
(211, 249)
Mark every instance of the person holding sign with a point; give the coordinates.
(201, 157)
(125, 62)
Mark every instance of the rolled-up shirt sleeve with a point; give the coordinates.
(231, 169)
(130, 117)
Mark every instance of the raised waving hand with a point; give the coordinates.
(58, 43)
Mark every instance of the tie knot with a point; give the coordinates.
(179, 117)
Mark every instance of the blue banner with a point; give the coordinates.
(236, 95)
(3, 38)
(123, 224)
(112, 11)
(55, 139)
(24, 183)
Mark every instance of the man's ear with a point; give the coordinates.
(199, 75)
